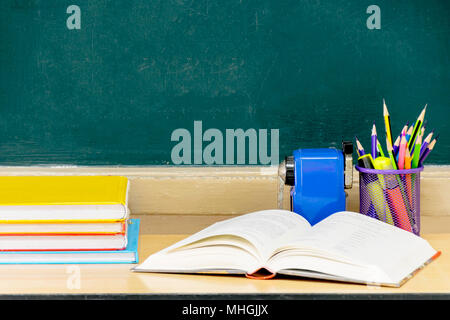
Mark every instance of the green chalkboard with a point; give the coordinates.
(113, 91)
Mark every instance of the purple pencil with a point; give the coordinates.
(427, 152)
(359, 147)
(396, 145)
(374, 141)
(425, 143)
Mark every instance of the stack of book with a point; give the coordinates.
(66, 219)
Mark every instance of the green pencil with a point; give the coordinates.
(415, 161)
(380, 149)
(391, 154)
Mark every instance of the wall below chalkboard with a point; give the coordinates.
(185, 199)
(114, 91)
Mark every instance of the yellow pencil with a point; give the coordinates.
(387, 123)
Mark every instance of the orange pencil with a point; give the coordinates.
(407, 159)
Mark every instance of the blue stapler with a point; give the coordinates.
(318, 178)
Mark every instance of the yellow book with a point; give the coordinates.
(62, 190)
(63, 198)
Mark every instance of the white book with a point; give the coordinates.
(63, 242)
(346, 246)
(83, 212)
(62, 228)
(79, 256)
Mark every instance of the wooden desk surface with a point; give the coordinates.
(117, 279)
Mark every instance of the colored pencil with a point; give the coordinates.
(391, 154)
(403, 193)
(387, 123)
(428, 150)
(396, 197)
(408, 180)
(424, 126)
(416, 156)
(374, 141)
(399, 209)
(380, 148)
(401, 153)
(426, 142)
(405, 128)
(396, 146)
(407, 158)
(399, 138)
(422, 132)
(359, 147)
(409, 133)
(416, 130)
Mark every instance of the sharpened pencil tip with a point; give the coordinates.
(419, 140)
(385, 110)
(403, 139)
(431, 145)
(422, 114)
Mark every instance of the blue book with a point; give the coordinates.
(127, 255)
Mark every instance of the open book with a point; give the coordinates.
(346, 246)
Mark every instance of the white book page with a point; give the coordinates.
(382, 248)
(255, 232)
(262, 228)
(201, 259)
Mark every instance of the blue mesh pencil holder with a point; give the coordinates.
(392, 196)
